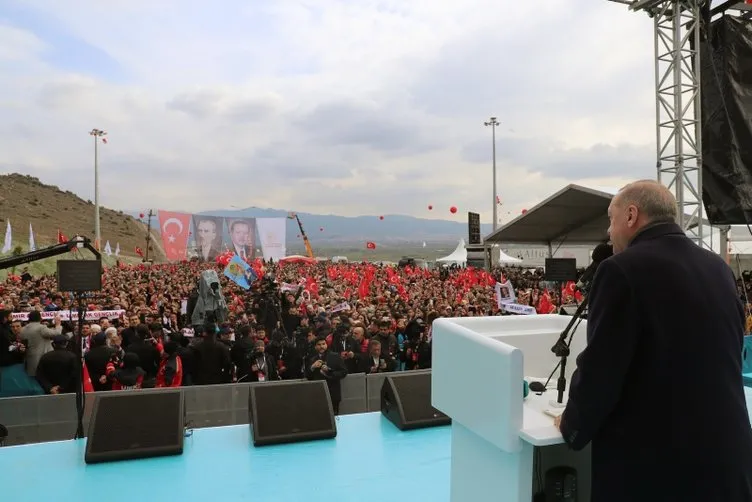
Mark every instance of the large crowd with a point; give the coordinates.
(315, 321)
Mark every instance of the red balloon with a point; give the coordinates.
(524, 211)
(430, 208)
(453, 209)
(381, 217)
(141, 215)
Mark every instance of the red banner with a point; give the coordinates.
(175, 230)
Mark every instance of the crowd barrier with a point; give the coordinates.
(39, 419)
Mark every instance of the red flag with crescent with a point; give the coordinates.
(175, 229)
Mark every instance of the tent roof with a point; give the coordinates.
(505, 258)
(575, 214)
(459, 255)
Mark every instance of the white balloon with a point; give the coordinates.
(176, 222)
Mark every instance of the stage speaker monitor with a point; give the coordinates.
(290, 412)
(406, 401)
(79, 276)
(134, 425)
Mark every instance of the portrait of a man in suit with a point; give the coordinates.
(208, 237)
(242, 236)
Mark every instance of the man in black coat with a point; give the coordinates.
(58, 371)
(213, 364)
(327, 365)
(659, 389)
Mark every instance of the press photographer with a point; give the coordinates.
(262, 366)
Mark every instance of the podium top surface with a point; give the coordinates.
(510, 325)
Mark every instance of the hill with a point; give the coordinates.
(25, 200)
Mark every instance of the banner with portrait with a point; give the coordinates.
(272, 233)
(241, 237)
(190, 236)
(207, 233)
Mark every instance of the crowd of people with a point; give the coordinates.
(316, 321)
(356, 318)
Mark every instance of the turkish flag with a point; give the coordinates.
(88, 387)
(174, 228)
(371, 245)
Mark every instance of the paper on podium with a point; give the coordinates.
(478, 365)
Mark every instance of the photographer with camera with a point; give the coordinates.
(262, 366)
(417, 353)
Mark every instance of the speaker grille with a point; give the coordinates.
(291, 409)
(136, 422)
(415, 395)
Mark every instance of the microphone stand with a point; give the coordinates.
(561, 350)
(78, 350)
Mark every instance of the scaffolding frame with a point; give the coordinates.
(677, 36)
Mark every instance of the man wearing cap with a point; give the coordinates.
(57, 371)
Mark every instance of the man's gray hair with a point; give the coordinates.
(651, 198)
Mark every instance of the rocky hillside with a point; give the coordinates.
(25, 199)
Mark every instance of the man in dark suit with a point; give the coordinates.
(327, 365)
(241, 235)
(658, 390)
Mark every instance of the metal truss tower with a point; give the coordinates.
(677, 26)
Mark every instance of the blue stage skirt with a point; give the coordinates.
(14, 382)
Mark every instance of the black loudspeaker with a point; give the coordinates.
(290, 412)
(406, 401)
(132, 425)
(79, 276)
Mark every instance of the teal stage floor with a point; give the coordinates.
(369, 461)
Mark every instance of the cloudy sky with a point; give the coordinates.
(328, 106)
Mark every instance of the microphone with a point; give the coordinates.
(600, 253)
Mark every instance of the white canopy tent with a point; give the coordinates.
(459, 255)
(505, 259)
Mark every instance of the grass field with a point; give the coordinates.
(429, 253)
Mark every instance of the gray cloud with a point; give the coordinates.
(250, 110)
(65, 94)
(548, 158)
(380, 127)
(543, 71)
(287, 162)
(199, 105)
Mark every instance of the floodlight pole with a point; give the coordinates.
(493, 123)
(678, 107)
(97, 134)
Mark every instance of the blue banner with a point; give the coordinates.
(240, 272)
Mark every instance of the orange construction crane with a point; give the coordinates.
(309, 249)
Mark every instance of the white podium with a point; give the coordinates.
(478, 368)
